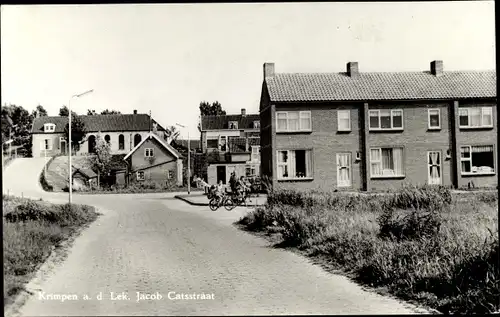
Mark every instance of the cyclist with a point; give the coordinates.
(241, 188)
(219, 191)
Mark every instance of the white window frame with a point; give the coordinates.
(469, 159)
(143, 175)
(150, 151)
(255, 152)
(338, 120)
(429, 118)
(211, 138)
(392, 128)
(49, 127)
(380, 162)
(468, 126)
(49, 145)
(440, 165)
(302, 115)
(256, 124)
(235, 123)
(307, 177)
(220, 143)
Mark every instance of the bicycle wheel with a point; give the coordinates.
(213, 204)
(229, 204)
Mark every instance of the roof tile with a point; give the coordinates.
(222, 122)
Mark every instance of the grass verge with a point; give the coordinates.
(420, 243)
(31, 230)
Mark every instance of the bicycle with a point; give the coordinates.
(234, 200)
(216, 202)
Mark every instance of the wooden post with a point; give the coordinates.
(98, 180)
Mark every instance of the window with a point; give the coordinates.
(255, 153)
(140, 175)
(256, 124)
(386, 162)
(121, 142)
(170, 174)
(294, 164)
(47, 145)
(148, 152)
(476, 160)
(213, 143)
(476, 117)
(137, 139)
(49, 127)
(250, 170)
(293, 121)
(223, 143)
(434, 118)
(343, 169)
(384, 119)
(233, 125)
(107, 138)
(344, 120)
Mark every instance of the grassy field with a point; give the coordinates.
(420, 244)
(31, 230)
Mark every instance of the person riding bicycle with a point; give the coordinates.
(219, 191)
(241, 187)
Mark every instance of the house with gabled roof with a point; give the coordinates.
(232, 144)
(122, 131)
(379, 130)
(153, 159)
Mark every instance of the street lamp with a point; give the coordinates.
(189, 158)
(71, 143)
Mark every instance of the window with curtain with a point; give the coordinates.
(434, 118)
(477, 159)
(344, 120)
(294, 164)
(477, 117)
(386, 162)
(293, 121)
(386, 119)
(343, 169)
(149, 152)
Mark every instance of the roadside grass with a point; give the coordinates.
(136, 188)
(31, 230)
(420, 243)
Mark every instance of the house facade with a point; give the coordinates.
(232, 144)
(122, 131)
(375, 131)
(153, 159)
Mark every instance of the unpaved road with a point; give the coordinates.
(156, 244)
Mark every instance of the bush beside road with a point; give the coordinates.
(421, 243)
(31, 231)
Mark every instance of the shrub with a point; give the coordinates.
(412, 224)
(422, 197)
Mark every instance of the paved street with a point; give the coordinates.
(157, 244)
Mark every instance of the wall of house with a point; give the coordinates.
(240, 170)
(154, 173)
(326, 142)
(266, 134)
(475, 137)
(38, 144)
(416, 140)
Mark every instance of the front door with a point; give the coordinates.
(63, 146)
(434, 170)
(221, 174)
(344, 170)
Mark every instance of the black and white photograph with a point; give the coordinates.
(232, 159)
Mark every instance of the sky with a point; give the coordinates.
(167, 58)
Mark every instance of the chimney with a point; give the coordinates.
(268, 70)
(352, 69)
(437, 68)
(243, 112)
(135, 111)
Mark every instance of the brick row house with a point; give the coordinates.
(232, 144)
(379, 130)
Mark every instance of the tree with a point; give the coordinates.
(172, 134)
(64, 112)
(91, 112)
(20, 128)
(214, 109)
(77, 132)
(40, 111)
(101, 162)
(110, 112)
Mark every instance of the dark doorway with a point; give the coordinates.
(92, 144)
(221, 174)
